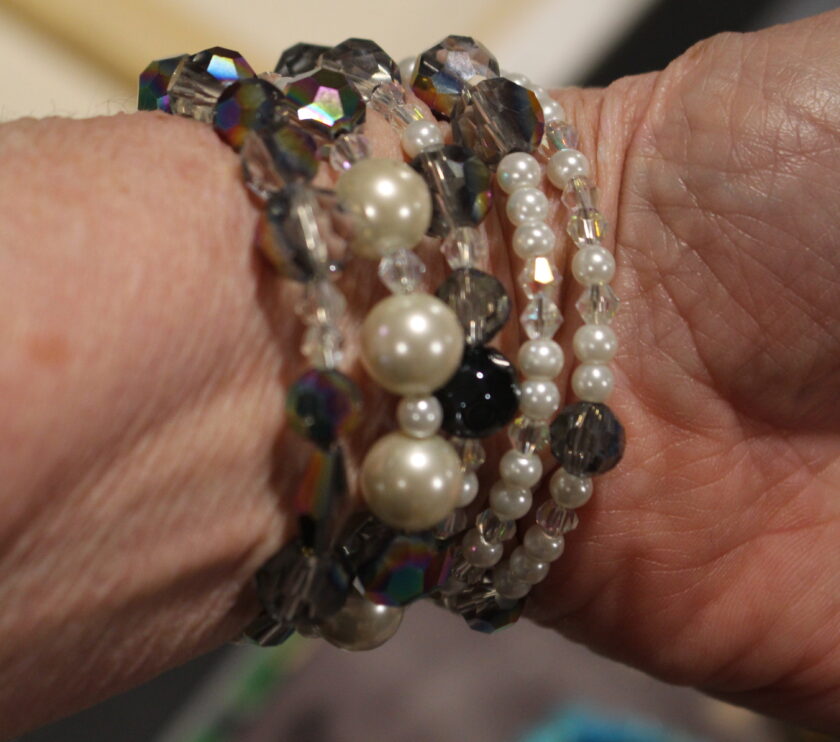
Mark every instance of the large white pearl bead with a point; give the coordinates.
(509, 502)
(593, 265)
(518, 170)
(533, 239)
(527, 205)
(419, 417)
(592, 382)
(541, 546)
(391, 205)
(420, 136)
(569, 491)
(538, 398)
(411, 483)
(520, 469)
(361, 625)
(595, 343)
(540, 359)
(411, 344)
(566, 164)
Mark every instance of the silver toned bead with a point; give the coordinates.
(509, 502)
(520, 469)
(592, 382)
(419, 417)
(569, 491)
(595, 343)
(533, 239)
(527, 205)
(524, 567)
(593, 265)
(541, 546)
(518, 170)
(420, 136)
(566, 164)
(361, 625)
(538, 398)
(479, 552)
(540, 359)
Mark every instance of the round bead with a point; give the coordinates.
(592, 382)
(587, 439)
(593, 265)
(322, 405)
(407, 68)
(469, 489)
(509, 502)
(518, 78)
(569, 491)
(595, 343)
(541, 546)
(524, 567)
(479, 552)
(361, 625)
(552, 110)
(507, 585)
(540, 359)
(538, 398)
(533, 240)
(566, 164)
(390, 203)
(420, 136)
(411, 483)
(527, 205)
(419, 417)
(518, 170)
(520, 469)
(411, 343)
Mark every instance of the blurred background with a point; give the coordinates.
(437, 681)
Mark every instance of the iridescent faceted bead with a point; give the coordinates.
(587, 439)
(479, 300)
(200, 79)
(460, 184)
(299, 58)
(587, 227)
(347, 150)
(541, 317)
(482, 396)
(581, 193)
(154, 81)
(246, 105)
(540, 276)
(528, 436)
(272, 159)
(560, 135)
(443, 72)
(323, 405)
(556, 521)
(321, 499)
(402, 271)
(326, 101)
(466, 247)
(598, 304)
(410, 567)
(470, 451)
(363, 62)
(498, 117)
(493, 529)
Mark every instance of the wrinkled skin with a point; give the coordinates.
(142, 450)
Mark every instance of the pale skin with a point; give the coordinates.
(146, 350)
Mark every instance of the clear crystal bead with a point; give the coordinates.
(539, 276)
(581, 194)
(587, 227)
(471, 451)
(463, 571)
(402, 271)
(598, 304)
(479, 300)
(322, 304)
(453, 524)
(347, 150)
(300, 58)
(541, 317)
(560, 135)
(365, 64)
(493, 529)
(404, 114)
(389, 101)
(528, 436)
(323, 346)
(466, 247)
(556, 521)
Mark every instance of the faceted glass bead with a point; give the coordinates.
(479, 300)
(402, 271)
(321, 499)
(587, 227)
(556, 521)
(462, 570)
(326, 101)
(498, 117)
(482, 396)
(541, 317)
(442, 72)
(271, 159)
(364, 63)
(483, 609)
(465, 247)
(322, 304)
(323, 405)
(366, 537)
(560, 135)
(581, 193)
(323, 346)
(460, 184)
(389, 100)
(598, 304)
(528, 436)
(587, 439)
(246, 105)
(347, 150)
(300, 58)
(154, 81)
(493, 529)
(540, 277)
(470, 451)
(200, 79)
(264, 631)
(454, 523)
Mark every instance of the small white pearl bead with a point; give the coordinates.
(569, 491)
(520, 469)
(593, 265)
(566, 164)
(469, 490)
(419, 417)
(540, 359)
(533, 239)
(524, 567)
(538, 398)
(526, 205)
(552, 110)
(592, 382)
(518, 170)
(479, 552)
(508, 502)
(541, 546)
(420, 136)
(519, 79)
(595, 343)
(507, 585)
(407, 67)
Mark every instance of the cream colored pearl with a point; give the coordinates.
(479, 552)
(538, 398)
(541, 546)
(569, 491)
(592, 382)
(518, 170)
(524, 567)
(419, 417)
(469, 490)
(391, 205)
(509, 502)
(533, 239)
(527, 205)
(507, 585)
(520, 469)
(541, 358)
(565, 165)
(411, 344)
(411, 483)
(361, 624)
(420, 136)
(593, 265)
(595, 343)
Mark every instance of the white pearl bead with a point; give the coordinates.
(507, 585)
(479, 552)
(411, 483)
(538, 398)
(390, 203)
(541, 546)
(469, 490)
(569, 491)
(509, 502)
(592, 382)
(593, 265)
(533, 239)
(566, 164)
(360, 624)
(407, 67)
(411, 344)
(595, 343)
(526, 568)
(527, 205)
(540, 359)
(520, 469)
(518, 78)
(518, 170)
(419, 417)
(420, 136)
(552, 110)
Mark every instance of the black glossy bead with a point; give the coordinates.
(482, 397)
(300, 58)
(587, 439)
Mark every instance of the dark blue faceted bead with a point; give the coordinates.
(587, 439)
